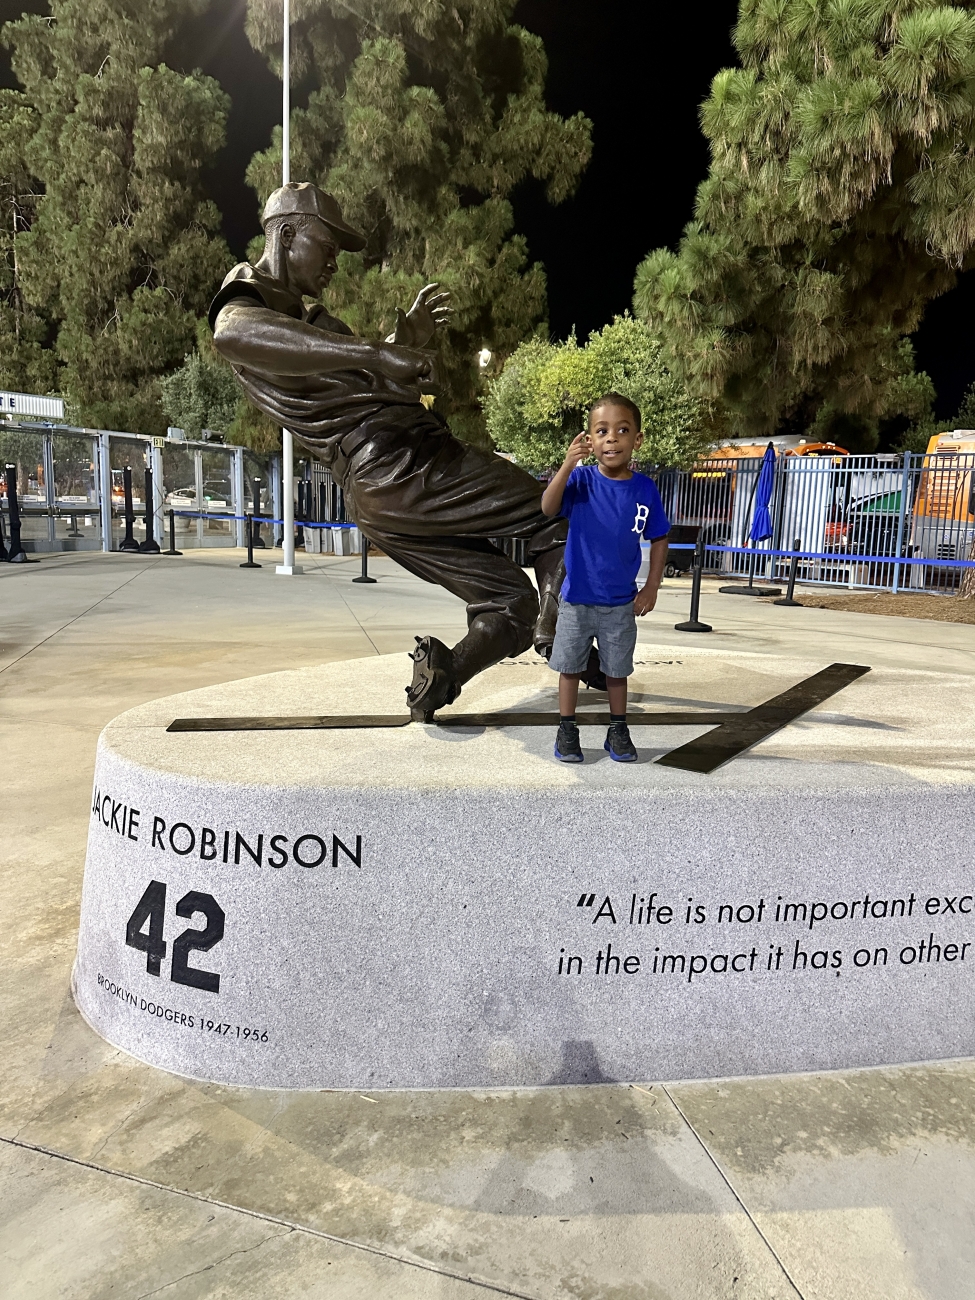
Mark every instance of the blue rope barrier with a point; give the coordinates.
(258, 519)
(846, 556)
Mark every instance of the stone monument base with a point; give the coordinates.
(393, 905)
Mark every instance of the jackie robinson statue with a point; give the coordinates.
(428, 500)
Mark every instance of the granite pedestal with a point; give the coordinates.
(420, 906)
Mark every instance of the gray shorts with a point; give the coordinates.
(613, 627)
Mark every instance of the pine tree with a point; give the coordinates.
(539, 402)
(422, 121)
(917, 436)
(117, 252)
(840, 200)
(27, 363)
(965, 417)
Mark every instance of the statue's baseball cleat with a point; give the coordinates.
(433, 683)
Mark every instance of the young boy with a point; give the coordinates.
(609, 509)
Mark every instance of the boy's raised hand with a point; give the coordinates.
(579, 449)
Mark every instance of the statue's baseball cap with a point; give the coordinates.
(305, 199)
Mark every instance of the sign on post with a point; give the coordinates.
(50, 408)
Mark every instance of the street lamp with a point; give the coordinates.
(287, 566)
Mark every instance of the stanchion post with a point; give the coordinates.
(258, 539)
(364, 575)
(793, 567)
(694, 624)
(16, 554)
(128, 542)
(150, 546)
(749, 588)
(249, 526)
(172, 535)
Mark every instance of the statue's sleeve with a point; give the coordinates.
(322, 319)
(229, 291)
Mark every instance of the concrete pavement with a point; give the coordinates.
(121, 1181)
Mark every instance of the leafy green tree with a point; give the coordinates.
(252, 428)
(539, 402)
(422, 120)
(840, 200)
(202, 394)
(117, 252)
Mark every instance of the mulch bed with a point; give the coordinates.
(945, 609)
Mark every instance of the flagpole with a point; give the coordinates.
(287, 566)
(286, 97)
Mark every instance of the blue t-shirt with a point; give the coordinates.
(608, 518)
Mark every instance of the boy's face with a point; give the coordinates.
(613, 436)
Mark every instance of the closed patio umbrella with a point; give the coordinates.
(761, 526)
(761, 516)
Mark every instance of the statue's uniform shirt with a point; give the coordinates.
(330, 411)
(428, 500)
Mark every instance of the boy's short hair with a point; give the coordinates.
(617, 399)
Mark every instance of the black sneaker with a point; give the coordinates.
(567, 747)
(618, 742)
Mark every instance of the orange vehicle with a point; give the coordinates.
(787, 446)
(817, 449)
(715, 506)
(943, 518)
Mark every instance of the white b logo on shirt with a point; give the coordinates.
(642, 513)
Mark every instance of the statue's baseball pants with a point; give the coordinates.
(431, 502)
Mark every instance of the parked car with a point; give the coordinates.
(680, 561)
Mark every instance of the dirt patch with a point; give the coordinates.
(945, 609)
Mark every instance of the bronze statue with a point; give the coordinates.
(428, 500)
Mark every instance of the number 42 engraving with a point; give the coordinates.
(151, 909)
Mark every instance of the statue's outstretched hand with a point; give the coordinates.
(415, 328)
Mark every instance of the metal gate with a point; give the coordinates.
(883, 522)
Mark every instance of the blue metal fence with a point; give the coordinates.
(863, 522)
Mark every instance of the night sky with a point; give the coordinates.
(639, 72)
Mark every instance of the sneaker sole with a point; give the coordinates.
(569, 758)
(620, 758)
